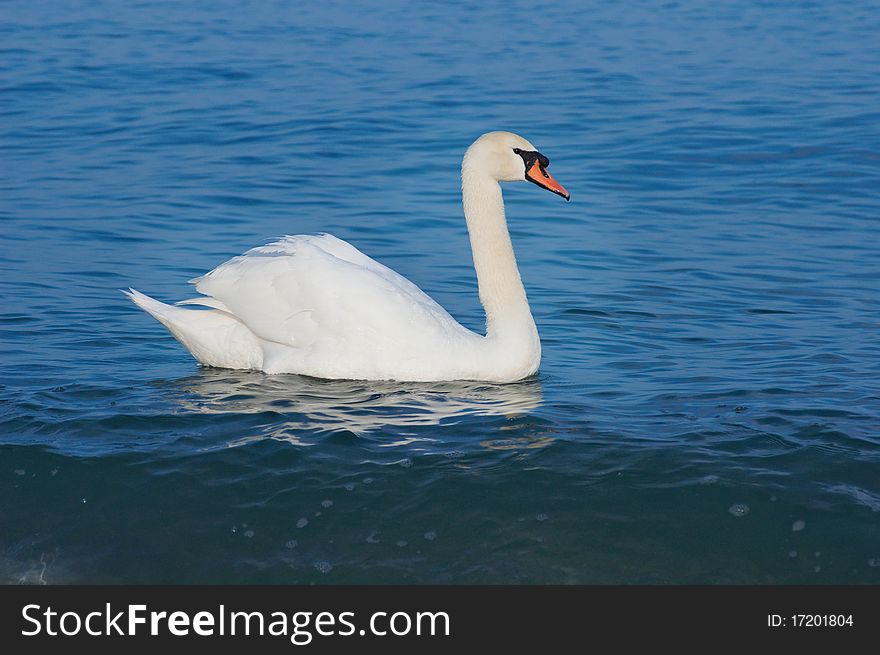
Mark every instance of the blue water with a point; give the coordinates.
(708, 408)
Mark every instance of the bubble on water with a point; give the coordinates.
(817, 554)
(348, 486)
(430, 535)
(303, 522)
(291, 544)
(740, 409)
(317, 514)
(323, 567)
(373, 537)
(708, 479)
(817, 568)
(874, 562)
(54, 471)
(406, 463)
(792, 554)
(84, 501)
(738, 509)
(454, 454)
(402, 542)
(541, 516)
(249, 533)
(234, 529)
(19, 471)
(772, 499)
(798, 525)
(326, 503)
(367, 480)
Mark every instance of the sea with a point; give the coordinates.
(708, 406)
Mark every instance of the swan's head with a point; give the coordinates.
(507, 157)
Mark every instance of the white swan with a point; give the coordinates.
(309, 407)
(316, 305)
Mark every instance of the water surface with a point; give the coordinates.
(708, 408)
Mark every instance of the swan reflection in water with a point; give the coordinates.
(301, 404)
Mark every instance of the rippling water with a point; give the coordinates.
(708, 409)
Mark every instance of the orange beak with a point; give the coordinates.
(539, 175)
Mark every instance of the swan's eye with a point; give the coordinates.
(517, 151)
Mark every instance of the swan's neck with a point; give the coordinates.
(508, 316)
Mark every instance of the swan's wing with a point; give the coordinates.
(306, 291)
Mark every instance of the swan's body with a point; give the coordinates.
(316, 305)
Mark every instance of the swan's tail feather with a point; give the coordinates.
(214, 337)
(158, 310)
(206, 301)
